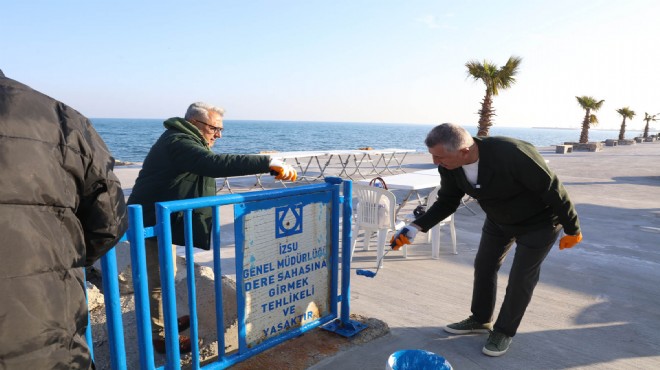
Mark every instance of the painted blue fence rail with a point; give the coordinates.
(337, 320)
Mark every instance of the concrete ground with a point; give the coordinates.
(595, 307)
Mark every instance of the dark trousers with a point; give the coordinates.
(531, 249)
(155, 290)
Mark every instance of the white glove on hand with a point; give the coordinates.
(404, 236)
(281, 170)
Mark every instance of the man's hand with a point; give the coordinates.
(282, 171)
(569, 241)
(402, 237)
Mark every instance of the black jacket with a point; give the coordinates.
(61, 208)
(516, 189)
(180, 165)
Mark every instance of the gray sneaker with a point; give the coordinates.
(497, 344)
(469, 326)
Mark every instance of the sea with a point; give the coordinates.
(129, 140)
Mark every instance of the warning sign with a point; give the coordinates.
(285, 276)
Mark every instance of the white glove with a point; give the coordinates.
(281, 170)
(405, 235)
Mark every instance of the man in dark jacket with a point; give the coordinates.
(524, 202)
(61, 208)
(181, 165)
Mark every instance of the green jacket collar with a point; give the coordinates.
(180, 124)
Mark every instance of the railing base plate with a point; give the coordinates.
(347, 330)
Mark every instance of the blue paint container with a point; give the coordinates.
(417, 359)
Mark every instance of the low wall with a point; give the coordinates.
(593, 146)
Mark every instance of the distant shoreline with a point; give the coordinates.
(119, 162)
(591, 129)
(554, 128)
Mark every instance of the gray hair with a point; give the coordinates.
(201, 110)
(451, 136)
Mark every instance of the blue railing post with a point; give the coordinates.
(217, 281)
(136, 237)
(334, 260)
(163, 228)
(113, 310)
(345, 327)
(88, 331)
(192, 291)
(347, 233)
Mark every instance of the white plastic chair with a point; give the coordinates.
(369, 212)
(434, 234)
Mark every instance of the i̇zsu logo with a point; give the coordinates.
(288, 221)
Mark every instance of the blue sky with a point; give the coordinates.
(354, 61)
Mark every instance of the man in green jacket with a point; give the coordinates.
(181, 165)
(524, 202)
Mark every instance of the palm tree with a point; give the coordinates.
(589, 104)
(648, 118)
(494, 78)
(625, 112)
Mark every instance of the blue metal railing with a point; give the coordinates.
(136, 236)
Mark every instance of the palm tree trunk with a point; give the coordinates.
(584, 135)
(623, 129)
(485, 114)
(646, 130)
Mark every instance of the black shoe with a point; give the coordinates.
(183, 322)
(497, 344)
(185, 345)
(469, 326)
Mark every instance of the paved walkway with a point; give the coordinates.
(597, 306)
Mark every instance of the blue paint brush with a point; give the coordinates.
(372, 274)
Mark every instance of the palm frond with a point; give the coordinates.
(648, 117)
(494, 78)
(626, 112)
(476, 69)
(598, 105)
(588, 102)
(510, 69)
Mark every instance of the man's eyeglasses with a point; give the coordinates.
(216, 130)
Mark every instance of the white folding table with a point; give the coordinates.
(304, 160)
(351, 162)
(387, 161)
(297, 156)
(412, 182)
(381, 161)
(364, 162)
(345, 157)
